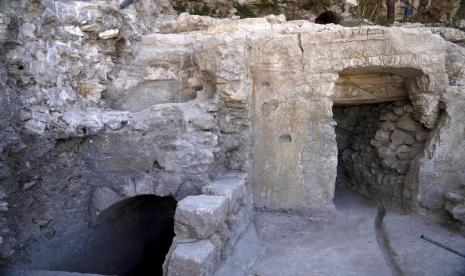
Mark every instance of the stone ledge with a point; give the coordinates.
(199, 216)
(415, 256)
(193, 258)
(233, 189)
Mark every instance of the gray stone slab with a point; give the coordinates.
(199, 216)
(232, 188)
(247, 249)
(415, 256)
(193, 259)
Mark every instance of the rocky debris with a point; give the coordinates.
(108, 34)
(399, 137)
(214, 220)
(450, 34)
(455, 205)
(455, 60)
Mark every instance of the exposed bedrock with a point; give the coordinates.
(103, 105)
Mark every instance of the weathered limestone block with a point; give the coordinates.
(449, 34)
(369, 88)
(192, 258)
(233, 189)
(405, 152)
(406, 122)
(382, 136)
(389, 117)
(422, 136)
(399, 137)
(112, 33)
(455, 204)
(200, 216)
(455, 60)
(90, 89)
(441, 170)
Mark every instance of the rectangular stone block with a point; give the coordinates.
(193, 259)
(199, 216)
(232, 188)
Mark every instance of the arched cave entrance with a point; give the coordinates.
(328, 17)
(131, 237)
(377, 135)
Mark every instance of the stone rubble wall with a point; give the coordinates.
(207, 226)
(58, 59)
(84, 130)
(378, 158)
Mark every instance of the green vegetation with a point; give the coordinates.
(200, 10)
(179, 7)
(268, 4)
(316, 5)
(244, 11)
(459, 15)
(370, 9)
(382, 20)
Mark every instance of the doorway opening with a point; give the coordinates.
(376, 144)
(377, 136)
(328, 17)
(131, 237)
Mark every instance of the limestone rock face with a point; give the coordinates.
(102, 103)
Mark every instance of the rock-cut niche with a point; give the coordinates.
(377, 134)
(131, 237)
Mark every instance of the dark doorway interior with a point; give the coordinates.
(328, 17)
(131, 237)
(376, 145)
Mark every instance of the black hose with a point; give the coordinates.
(442, 246)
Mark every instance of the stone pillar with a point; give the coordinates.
(295, 152)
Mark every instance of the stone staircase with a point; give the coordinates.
(208, 225)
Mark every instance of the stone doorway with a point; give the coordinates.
(130, 237)
(377, 137)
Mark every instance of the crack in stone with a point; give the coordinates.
(299, 37)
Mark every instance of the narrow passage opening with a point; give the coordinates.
(131, 237)
(376, 144)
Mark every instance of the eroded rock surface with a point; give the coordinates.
(102, 104)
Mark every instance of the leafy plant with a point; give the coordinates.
(244, 11)
(315, 5)
(459, 15)
(200, 10)
(267, 3)
(179, 7)
(382, 20)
